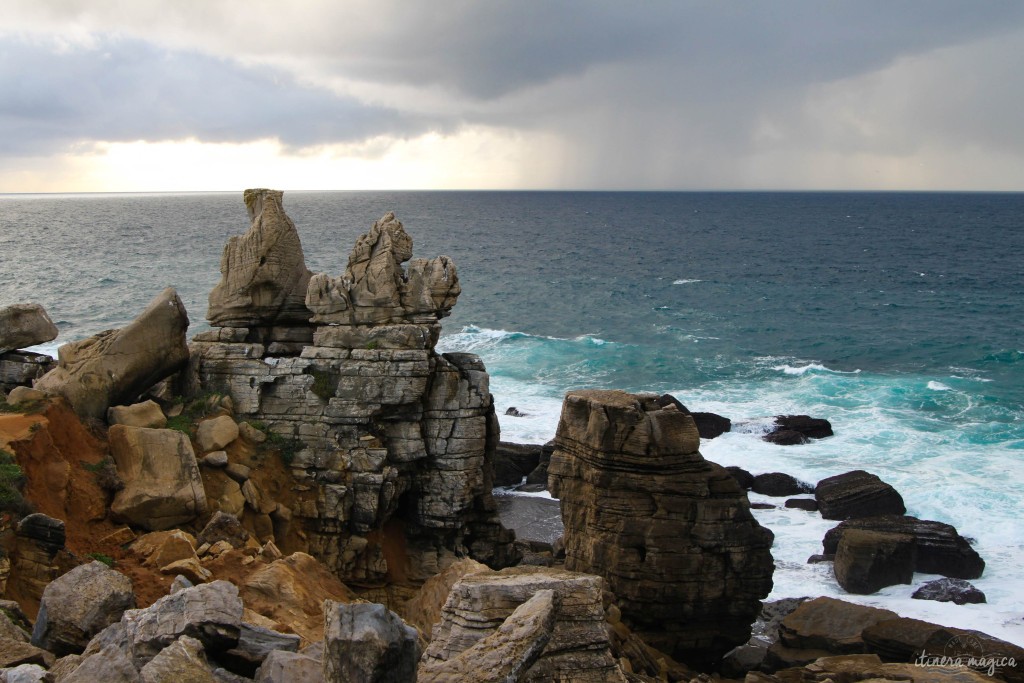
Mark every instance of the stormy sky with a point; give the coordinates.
(133, 95)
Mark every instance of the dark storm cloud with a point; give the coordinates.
(126, 90)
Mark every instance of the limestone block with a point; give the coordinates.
(368, 642)
(24, 325)
(163, 487)
(145, 414)
(216, 433)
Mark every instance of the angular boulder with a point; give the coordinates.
(830, 625)
(868, 561)
(857, 494)
(183, 661)
(255, 644)
(289, 667)
(940, 548)
(507, 653)
(80, 604)
(671, 532)
(779, 484)
(146, 414)
(216, 433)
(263, 272)
(162, 485)
(22, 369)
(116, 366)
(368, 642)
(480, 603)
(24, 325)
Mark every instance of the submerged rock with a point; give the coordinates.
(671, 532)
(116, 366)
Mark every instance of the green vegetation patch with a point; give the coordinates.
(12, 479)
(24, 408)
(324, 383)
(100, 557)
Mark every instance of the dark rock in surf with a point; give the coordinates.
(940, 549)
(779, 484)
(791, 430)
(805, 504)
(744, 478)
(515, 412)
(514, 461)
(868, 561)
(950, 590)
(857, 494)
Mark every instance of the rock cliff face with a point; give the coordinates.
(671, 532)
(395, 440)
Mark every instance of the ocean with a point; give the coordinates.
(896, 316)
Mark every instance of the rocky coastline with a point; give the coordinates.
(305, 493)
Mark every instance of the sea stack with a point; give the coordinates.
(671, 532)
(392, 474)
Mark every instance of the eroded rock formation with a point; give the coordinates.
(24, 325)
(115, 366)
(671, 532)
(394, 441)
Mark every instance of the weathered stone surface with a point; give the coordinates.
(368, 642)
(375, 288)
(831, 625)
(290, 667)
(424, 609)
(17, 652)
(255, 643)
(291, 593)
(24, 325)
(796, 429)
(183, 661)
(940, 549)
(116, 366)
(671, 532)
(514, 461)
(19, 395)
(857, 494)
(779, 484)
(956, 591)
(39, 538)
(867, 561)
(111, 664)
(163, 487)
(506, 654)
(211, 613)
(189, 569)
(479, 604)
(216, 433)
(146, 414)
(744, 478)
(22, 368)
(10, 630)
(218, 459)
(223, 527)
(80, 604)
(160, 548)
(263, 272)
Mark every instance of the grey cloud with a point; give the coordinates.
(124, 90)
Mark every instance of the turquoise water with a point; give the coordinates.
(895, 316)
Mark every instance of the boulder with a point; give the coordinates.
(671, 532)
(368, 642)
(804, 425)
(160, 548)
(210, 612)
(289, 667)
(162, 485)
(423, 610)
(805, 504)
(480, 603)
(24, 325)
(255, 644)
(22, 368)
(949, 590)
(80, 604)
(19, 395)
(216, 433)
(15, 653)
(744, 478)
(867, 561)
(513, 462)
(830, 625)
(940, 549)
(263, 272)
(217, 459)
(779, 484)
(223, 527)
(183, 661)
(146, 414)
(505, 654)
(110, 664)
(189, 568)
(857, 494)
(34, 566)
(116, 366)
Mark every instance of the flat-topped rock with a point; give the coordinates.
(671, 532)
(857, 494)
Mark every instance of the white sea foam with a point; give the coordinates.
(939, 386)
(811, 367)
(685, 282)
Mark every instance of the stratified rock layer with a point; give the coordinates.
(263, 272)
(115, 366)
(394, 441)
(24, 325)
(671, 532)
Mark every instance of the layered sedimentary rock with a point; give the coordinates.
(671, 532)
(577, 648)
(263, 272)
(395, 440)
(115, 366)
